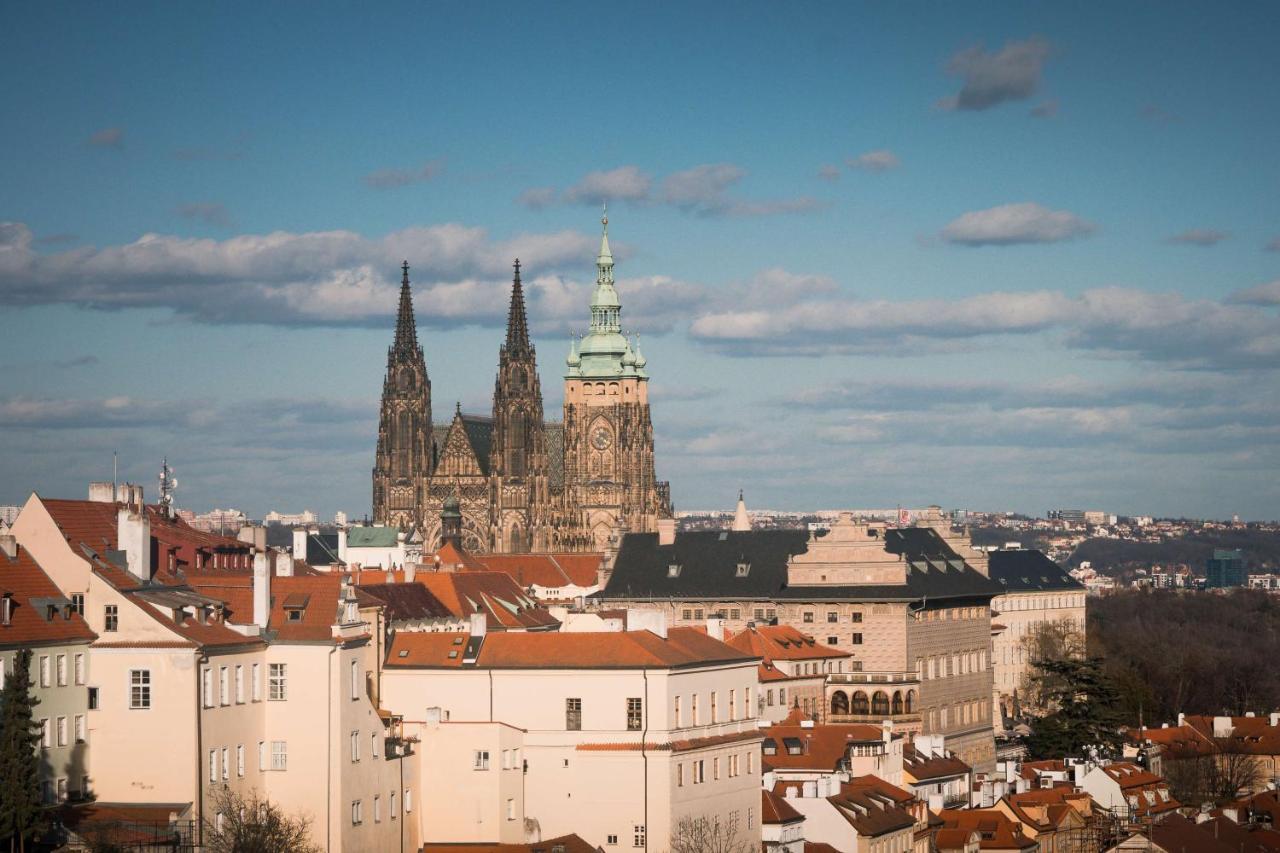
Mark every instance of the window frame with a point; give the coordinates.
(139, 689)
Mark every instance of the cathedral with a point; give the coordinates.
(521, 483)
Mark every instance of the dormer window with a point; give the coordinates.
(50, 611)
(673, 570)
(295, 615)
(743, 569)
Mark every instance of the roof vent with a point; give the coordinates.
(453, 654)
(404, 653)
(743, 569)
(673, 570)
(724, 534)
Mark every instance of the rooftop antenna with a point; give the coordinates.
(168, 484)
(115, 474)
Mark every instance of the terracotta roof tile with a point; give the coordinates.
(822, 746)
(775, 809)
(32, 593)
(570, 844)
(997, 830)
(783, 642)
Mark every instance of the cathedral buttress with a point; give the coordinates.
(403, 460)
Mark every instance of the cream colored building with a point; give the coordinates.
(911, 605)
(1037, 592)
(616, 736)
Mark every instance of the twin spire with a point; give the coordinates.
(406, 328)
(517, 322)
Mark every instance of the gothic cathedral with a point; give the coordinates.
(524, 484)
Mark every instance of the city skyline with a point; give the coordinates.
(1017, 259)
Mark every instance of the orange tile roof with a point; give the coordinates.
(997, 830)
(321, 593)
(506, 606)
(545, 570)
(1151, 791)
(1252, 735)
(783, 642)
(553, 650)
(822, 746)
(570, 843)
(775, 809)
(921, 766)
(22, 579)
(874, 807)
(954, 839)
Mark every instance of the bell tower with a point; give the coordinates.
(402, 462)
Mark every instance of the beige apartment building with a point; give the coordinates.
(224, 680)
(911, 605)
(1037, 592)
(616, 736)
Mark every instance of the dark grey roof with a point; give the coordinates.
(708, 569)
(1029, 571)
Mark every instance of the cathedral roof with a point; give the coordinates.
(477, 429)
(708, 566)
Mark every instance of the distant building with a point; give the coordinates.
(1225, 569)
(290, 519)
(219, 521)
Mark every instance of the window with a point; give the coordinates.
(751, 818)
(226, 765)
(715, 718)
(808, 616)
(139, 689)
(62, 731)
(62, 789)
(255, 682)
(641, 837)
(80, 729)
(355, 680)
(782, 696)
(278, 682)
(697, 613)
(573, 715)
(62, 670)
(373, 745)
(44, 670)
(635, 715)
(377, 809)
(357, 813)
(857, 639)
(240, 760)
(77, 602)
(831, 641)
(758, 614)
(218, 822)
(735, 613)
(355, 746)
(751, 763)
(676, 714)
(213, 765)
(262, 755)
(206, 688)
(694, 700)
(715, 769)
(93, 698)
(408, 800)
(733, 705)
(110, 618)
(239, 684)
(480, 761)
(224, 685)
(680, 775)
(79, 669)
(611, 839)
(392, 805)
(833, 616)
(686, 614)
(855, 617)
(511, 809)
(279, 755)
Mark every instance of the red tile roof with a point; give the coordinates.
(22, 579)
(1151, 791)
(997, 830)
(545, 570)
(775, 809)
(922, 766)
(617, 650)
(874, 807)
(822, 747)
(322, 594)
(570, 843)
(506, 606)
(783, 642)
(1251, 735)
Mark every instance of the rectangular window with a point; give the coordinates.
(213, 765)
(278, 682)
(751, 818)
(686, 614)
(262, 755)
(480, 760)
(239, 684)
(715, 769)
(511, 809)
(355, 746)
(110, 618)
(676, 715)
(62, 731)
(224, 685)
(62, 670)
(635, 715)
(751, 763)
(831, 641)
(93, 699)
(833, 616)
(855, 617)
(357, 813)
(808, 616)
(226, 765)
(62, 789)
(80, 728)
(715, 714)
(697, 613)
(139, 689)
(611, 840)
(573, 715)
(408, 800)
(355, 679)
(240, 759)
(857, 639)
(79, 669)
(694, 699)
(680, 775)
(699, 772)
(255, 682)
(733, 707)
(46, 733)
(206, 687)
(377, 809)
(391, 803)
(279, 755)
(640, 836)
(735, 613)
(77, 602)
(44, 670)
(373, 745)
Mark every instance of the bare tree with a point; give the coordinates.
(253, 824)
(1059, 640)
(707, 835)
(1215, 775)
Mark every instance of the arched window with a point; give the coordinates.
(839, 703)
(860, 704)
(403, 441)
(880, 703)
(897, 702)
(910, 706)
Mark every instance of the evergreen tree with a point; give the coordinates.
(1082, 709)
(22, 814)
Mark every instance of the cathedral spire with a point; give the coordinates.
(406, 328)
(517, 322)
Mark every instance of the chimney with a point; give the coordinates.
(253, 534)
(479, 624)
(666, 531)
(342, 544)
(1222, 726)
(261, 590)
(133, 536)
(715, 628)
(1182, 719)
(886, 730)
(647, 619)
(300, 543)
(935, 802)
(9, 545)
(410, 571)
(283, 564)
(102, 492)
(1274, 719)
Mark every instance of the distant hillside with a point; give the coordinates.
(1261, 550)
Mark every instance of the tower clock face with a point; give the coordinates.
(600, 438)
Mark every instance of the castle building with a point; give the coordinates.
(521, 483)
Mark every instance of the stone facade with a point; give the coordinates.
(523, 484)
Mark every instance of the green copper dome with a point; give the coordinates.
(603, 352)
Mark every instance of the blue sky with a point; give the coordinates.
(999, 256)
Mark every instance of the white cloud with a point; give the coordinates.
(625, 183)
(1011, 224)
(1010, 74)
(880, 160)
(1199, 237)
(1263, 294)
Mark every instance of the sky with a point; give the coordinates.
(1003, 256)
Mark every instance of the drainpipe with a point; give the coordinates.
(201, 660)
(644, 754)
(328, 753)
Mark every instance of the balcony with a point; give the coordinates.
(895, 678)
